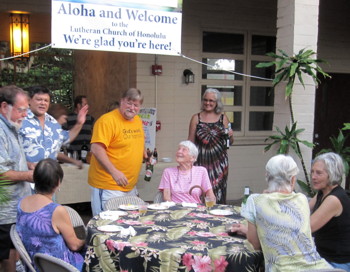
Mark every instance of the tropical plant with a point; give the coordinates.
(4, 182)
(346, 126)
(339, 147)
(288, 68)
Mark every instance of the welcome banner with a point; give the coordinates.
(140, 26)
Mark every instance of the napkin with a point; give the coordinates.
(187, 204)
(109, 215)
(129, 231)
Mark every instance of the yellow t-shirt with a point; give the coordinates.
(124, 141)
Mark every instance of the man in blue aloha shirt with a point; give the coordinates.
(42, 135)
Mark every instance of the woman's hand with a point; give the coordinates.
(241, 229)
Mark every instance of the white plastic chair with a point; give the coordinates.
(47, 263)
(114, 203)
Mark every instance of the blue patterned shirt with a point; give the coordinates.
(39, 143)
(11, 158)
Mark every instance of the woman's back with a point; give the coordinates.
(36, 231)
(283, 226)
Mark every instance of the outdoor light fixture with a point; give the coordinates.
(19, 34)
(189, 76)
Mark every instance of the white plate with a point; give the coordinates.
(128, 207)
(113, 215)
(110, 228)
(157, 207)
(220, 212)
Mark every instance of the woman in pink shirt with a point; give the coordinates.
(177, 182)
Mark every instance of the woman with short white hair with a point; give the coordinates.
(279, 221)
(176, 182)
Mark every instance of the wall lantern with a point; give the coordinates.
(19, 34)
(189, 76)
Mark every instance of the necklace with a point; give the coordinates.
(184, 176)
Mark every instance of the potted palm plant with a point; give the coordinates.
(288, 69)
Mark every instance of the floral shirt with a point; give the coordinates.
(39, 143)
(11, 158)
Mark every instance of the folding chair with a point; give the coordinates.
(17, 242)
(114, 203)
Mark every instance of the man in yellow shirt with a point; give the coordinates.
(117, 146)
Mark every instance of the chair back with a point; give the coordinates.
(17, 242)
(77, 222)
(114, 203)
(47, 263)
(158, 197)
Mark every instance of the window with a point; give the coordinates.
(248, 101)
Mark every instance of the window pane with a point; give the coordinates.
(223, 43)
(263, 44)
(231, 95)
(261, 96)
(259, 120)
(235, 119)
(219, 69)
(261, 72)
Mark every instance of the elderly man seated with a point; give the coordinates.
(176, 182)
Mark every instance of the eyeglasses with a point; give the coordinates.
(130, 104)
(209, 100)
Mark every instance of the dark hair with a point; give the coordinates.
(33, 90)
(78, 100)
(48, 174)
(9, 93)
(57, 110)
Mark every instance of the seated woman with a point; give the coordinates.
(279, 221)
(177, 182)
(330, 218)
(45, 226)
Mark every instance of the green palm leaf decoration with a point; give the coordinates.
(4, 183)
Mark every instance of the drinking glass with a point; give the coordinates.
(143, 209)
(209, 202)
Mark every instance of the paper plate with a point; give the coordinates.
(157, 207)
(109, 228)
(113, 215)
(128, 207)
(220, 212)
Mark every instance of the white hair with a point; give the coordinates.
(280, 170)
(193, 150)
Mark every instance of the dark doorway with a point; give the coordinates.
(332, 110)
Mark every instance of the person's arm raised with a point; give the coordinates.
(81, 117)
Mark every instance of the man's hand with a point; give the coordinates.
(120, 178)
(82, 115)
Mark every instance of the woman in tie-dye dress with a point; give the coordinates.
(207, 131)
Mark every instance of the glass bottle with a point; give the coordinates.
(155, 155)
(246, 194)
(149, 171)
(84, 152)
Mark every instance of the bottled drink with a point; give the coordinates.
(246, 195)
(84, 152)
(149, 171)
(227, 137)
(155, 154)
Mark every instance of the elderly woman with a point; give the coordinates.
(279, 221)
(176, 182)
(45, 226)
(330, 218)
(208, 131)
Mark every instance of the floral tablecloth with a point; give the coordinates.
(176, 239)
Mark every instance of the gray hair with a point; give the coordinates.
(333, 165)
(280, 170)
(133, 94)
(219, 106)
(9, 94)
(193, 150)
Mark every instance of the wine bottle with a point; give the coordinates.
(149, 171)
(246, 194)
(155, 155)
(84, 152)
